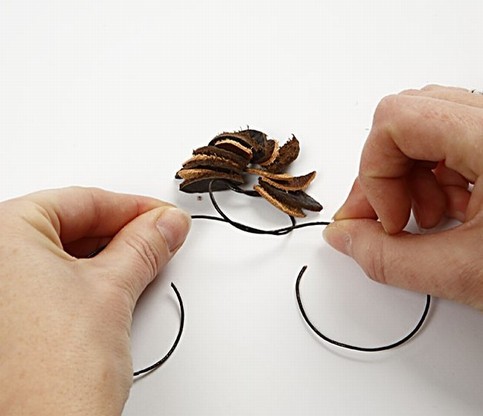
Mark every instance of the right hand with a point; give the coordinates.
(424, 153)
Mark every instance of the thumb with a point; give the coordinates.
(143, 247)
(444, 264)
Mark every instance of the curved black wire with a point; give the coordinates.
(160, 362)
(175, 343)
(355, 347)
(247, 228)
(280, 231)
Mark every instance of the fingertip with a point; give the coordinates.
(342, 213)
(174, 224)
(363, 240)
(137, 254)
(415, 262)
(457, 200)
(393, 226)
(356, 205)
(350, 235)
(390, 200)
(337, 236)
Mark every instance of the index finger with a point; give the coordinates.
(408, 129)
(77, 213)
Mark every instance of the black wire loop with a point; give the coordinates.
(160, 362)
(175, 343)
(285, 230)
(355, 347)
(246, 228)
(280, 231)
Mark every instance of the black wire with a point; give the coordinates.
(279, 231)
(286, 230)
(355, 347)
(160, 362)
(247, 228)
(207, 217)
(96, 251)
(175, 343)
(237, 189)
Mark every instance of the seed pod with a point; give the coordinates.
(231, 155)
(288, 209)
(266, 174)
(287, 200)
(214, 163)
(218, 151)
(237, 148)
(272, 153)
(264, 147)
(296, 183)
(241, 137)
(286, 155)
(198, 180)
(259, 137)
(256, 141)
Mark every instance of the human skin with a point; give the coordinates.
(64, 319)
(424, 154)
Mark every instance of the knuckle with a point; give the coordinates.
(465, 284)
(370, 254)
(386, 104)
(431, 87)
(411, 91)
(23, 212)
(147, 254)
(386, 110)
(469, 284)
(376, 268)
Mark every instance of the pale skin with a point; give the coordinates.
(424, 153)
(65, 320)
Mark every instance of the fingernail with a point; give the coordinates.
(337, 237)
(431, 229)
(337, 213)
(174, 224)
(460, 216)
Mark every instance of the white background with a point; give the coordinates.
(116, 94)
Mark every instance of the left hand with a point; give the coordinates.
(65, 320)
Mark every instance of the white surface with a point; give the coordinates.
(116, 94)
